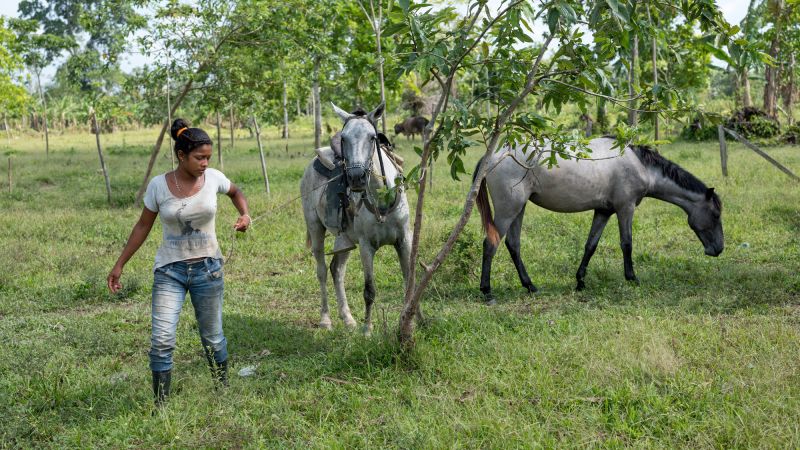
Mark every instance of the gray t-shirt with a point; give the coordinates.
(188, 223)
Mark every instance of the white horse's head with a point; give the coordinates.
(359, 141)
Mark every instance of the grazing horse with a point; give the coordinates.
(610, 183)
(372, 220)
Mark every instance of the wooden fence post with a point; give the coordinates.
(763, 154)
(100, 154)
(261, 153)
(10, 179)
(723, 150)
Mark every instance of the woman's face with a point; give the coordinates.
(196, 162)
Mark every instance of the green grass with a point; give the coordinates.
(704, 353)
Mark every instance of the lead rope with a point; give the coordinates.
(270, 211)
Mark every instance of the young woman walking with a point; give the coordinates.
(189, 258)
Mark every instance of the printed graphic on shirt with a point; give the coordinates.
(186, 225)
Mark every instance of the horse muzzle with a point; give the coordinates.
(356, 178)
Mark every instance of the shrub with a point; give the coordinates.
(699, 130)
(753, 123)
(791, 135)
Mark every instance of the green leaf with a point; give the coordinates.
(403, 5)
(619, 10)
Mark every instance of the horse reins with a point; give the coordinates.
(271, 210)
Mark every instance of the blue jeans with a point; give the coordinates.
(203, 280)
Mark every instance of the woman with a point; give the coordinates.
(189, 258)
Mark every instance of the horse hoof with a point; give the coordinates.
(531, 288)
(633, 280)
(367, 330)
(489, 300)
(326, 325)
(350, 324)
(580, 286)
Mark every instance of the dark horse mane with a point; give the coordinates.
(651, 158)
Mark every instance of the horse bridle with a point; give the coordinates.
(374, 147)
(365, 197)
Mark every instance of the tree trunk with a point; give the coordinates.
(415, 290)
(788, 90)
(285, 133)
(100, 154)
(771, 80)
(602, 118)
(297, 101)
(317, 106)
(8, 130)
(633, 115)
(44, 115)
(169, 121)
(744, 79)
(233, 126)
(219, 140)
(655, 79)
(261, 154)
(310, 102)
(285, 105)
(159, 141)
(380, 62)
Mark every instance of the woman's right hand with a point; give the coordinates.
(114, 284)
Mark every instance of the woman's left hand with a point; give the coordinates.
(242, 223)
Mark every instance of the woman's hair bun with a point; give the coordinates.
(177, 125)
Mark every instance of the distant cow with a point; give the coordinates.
(411, 126)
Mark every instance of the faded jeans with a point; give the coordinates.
(203, 281)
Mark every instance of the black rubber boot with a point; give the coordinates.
(161, 385)
(222, 373)
(219, 371)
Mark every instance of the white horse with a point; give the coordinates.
(610, 183)
(372, 221)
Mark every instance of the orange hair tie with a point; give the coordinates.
(181, 131)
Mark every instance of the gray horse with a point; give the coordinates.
(372, 223)
(609, 183)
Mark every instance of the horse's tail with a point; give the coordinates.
(485, 209)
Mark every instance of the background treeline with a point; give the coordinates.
(222, 62)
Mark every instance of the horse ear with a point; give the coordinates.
(344, 115)
(709, 193)
(376, 113)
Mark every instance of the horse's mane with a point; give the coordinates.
(651, 158)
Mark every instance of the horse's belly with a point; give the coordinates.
(560, 191)
(567, 203)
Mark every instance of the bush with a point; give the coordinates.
(753, 123)
(700, 130)
(791, 135)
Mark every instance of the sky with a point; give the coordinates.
(734, 11)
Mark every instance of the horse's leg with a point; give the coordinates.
(502, 221)
(338, 267)
(599, 222)
(367, 257)
(317, 235)
(625, 217)
(513, 245)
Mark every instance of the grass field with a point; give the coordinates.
(704, 353)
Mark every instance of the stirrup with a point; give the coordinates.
(342, 244)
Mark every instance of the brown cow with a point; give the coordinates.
(411, 126)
